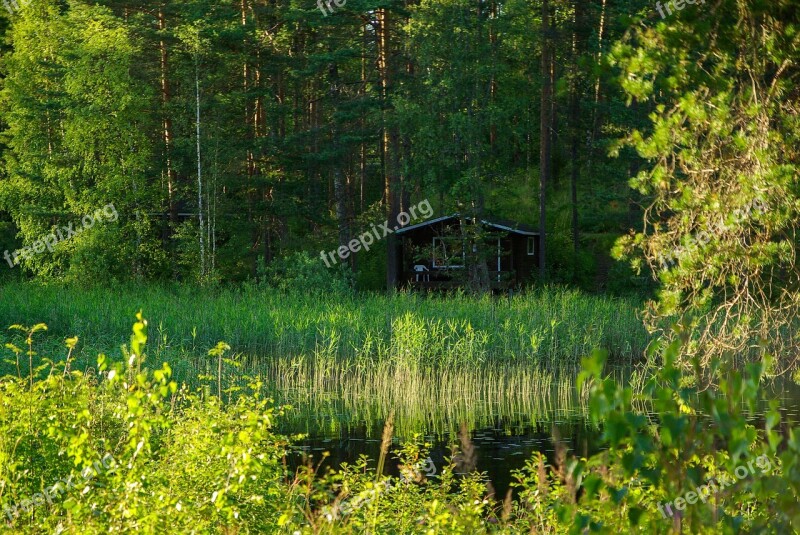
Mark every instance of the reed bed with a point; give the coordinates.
(423, 400)
(435, 361)
(548, 327)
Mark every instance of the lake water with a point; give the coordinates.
(503, 439)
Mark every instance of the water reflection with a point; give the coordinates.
(506, 428)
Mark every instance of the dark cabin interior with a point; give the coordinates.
(432, 254)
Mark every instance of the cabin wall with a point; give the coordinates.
(524, 264)
(514, 257)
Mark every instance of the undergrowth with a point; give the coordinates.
(152, 456)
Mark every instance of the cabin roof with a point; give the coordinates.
(502, 224)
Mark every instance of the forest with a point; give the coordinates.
(231, 135)
(399, 266)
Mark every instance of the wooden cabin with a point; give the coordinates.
(434, 254)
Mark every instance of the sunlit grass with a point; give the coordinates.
(551, 327)
(436, 361)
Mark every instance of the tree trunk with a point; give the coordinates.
(340, 187)
(599, 58)
(555, 156)
(342, 213)
(167, 129)
(574, 107)
(199, 167)
(390, 145)
(544, 132)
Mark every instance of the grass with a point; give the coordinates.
(432, 401)
(551, 327)
(436, 361)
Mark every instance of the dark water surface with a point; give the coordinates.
(499, 451)
(503, 440)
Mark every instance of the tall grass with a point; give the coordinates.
(550, 327)
(437, 362)
(427, 400)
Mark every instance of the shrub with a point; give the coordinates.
(302, 271)
(147, 456)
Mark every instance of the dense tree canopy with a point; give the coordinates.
(228, 132)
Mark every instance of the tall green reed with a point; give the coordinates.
(548, 327)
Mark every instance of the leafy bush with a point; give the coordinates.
(302, 271)
(182, 462)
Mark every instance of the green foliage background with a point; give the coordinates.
(100, 101)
